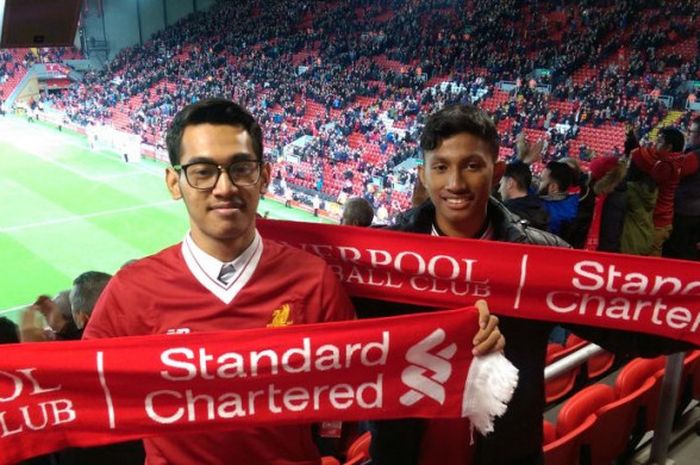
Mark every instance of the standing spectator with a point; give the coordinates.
(667, 166)
(560, 205)
(685, 237)
(515, 193)
(205, 283)
(605, 230)
(459, 206)
(316, 204)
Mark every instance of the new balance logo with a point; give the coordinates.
(422, 361)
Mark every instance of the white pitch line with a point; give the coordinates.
(69, 219)
(13, 309)
(109, 177)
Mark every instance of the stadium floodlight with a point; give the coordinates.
(38, 23)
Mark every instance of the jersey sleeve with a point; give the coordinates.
(335, 303)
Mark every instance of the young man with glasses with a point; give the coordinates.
(222, 276)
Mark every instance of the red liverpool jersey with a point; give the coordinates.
(160, 294)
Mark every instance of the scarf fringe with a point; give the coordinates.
(490, 384)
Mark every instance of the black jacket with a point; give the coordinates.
(517, 438)
(529, 208)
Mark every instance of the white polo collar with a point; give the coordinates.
(206, 268)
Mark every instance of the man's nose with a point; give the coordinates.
(224, 185)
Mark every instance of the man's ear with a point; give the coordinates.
(421, 173)
(265, 176)
(172, 180)
(498, 169)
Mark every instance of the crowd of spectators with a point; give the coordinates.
(374, 68)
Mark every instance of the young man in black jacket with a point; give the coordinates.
(460, 147)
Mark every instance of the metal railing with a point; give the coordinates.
(667, 400)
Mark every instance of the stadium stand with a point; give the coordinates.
(342, 90)
(359, 93)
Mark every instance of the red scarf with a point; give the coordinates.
(593, 238)
(645, 294)
(94, 392)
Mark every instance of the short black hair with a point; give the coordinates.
(212, 111)
(87, 288)
(9, 333)
(456, 119)
(358, 212)
(561, 173)
(673, 137)
(520, 173)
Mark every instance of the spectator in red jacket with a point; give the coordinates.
(666, 164)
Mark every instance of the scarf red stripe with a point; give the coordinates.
(645, 294)
(123, 388)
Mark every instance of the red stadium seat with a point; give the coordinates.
(633, 376)
(582, 404)
(557, 388)
(329, 461)
(549, 433)
(575, 424)
(613, 433)
(566, 450)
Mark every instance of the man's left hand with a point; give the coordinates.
(489, 338)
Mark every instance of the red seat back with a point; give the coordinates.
(549, 432)
(566, 449)
(559, 387)
(634, 375)
(583, 404)
(611, 435)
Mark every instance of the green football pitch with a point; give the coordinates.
(65, 209)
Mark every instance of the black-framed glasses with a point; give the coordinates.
(203, 175)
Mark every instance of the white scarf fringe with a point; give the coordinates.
(490, 384)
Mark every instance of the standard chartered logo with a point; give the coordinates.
(416, 376)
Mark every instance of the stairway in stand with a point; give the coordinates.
(671, 118)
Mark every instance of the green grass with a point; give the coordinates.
(65, 209)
